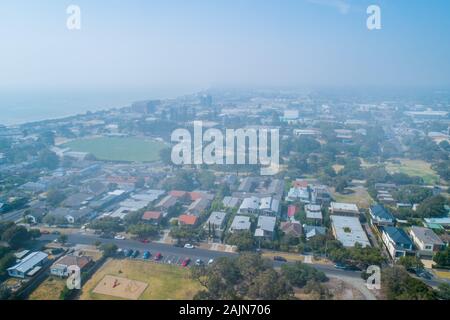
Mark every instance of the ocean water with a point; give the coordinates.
(28, 106)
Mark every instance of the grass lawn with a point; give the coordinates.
(360, 197)
(414, 168)
(164, 282)
(50, 289)
(443, 274)
(119, 149)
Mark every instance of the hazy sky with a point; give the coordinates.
(201, 43)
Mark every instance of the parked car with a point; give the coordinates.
(146, 255)
(158, 256)
(424, 274)
(186, 262)
(106, 235)
(119, 237)
(188, 246)
(211, 261)
(199, 262)
(280, 259)
(136, 254)
(346, 267)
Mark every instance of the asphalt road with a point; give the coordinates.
(179, 252)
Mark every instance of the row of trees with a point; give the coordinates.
(251, 277)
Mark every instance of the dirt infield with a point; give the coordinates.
(120, 287)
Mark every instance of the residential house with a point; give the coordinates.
(62, 267)
(153, 217)
(344, 209)
(255, 206)
(216, 223)
(380, 216)
(293, 229)
(265, 227)
(28, 266)
(187, 220)
(313, 214)
(427, 242)
(240, 223)
(313, 231)
(231, 202)
(300, 194)
(396, 241)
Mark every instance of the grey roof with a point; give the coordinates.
(76, 200)
(266, 223)
(29, 262)
(230, 202)
(348, 231)
(311, 231)
(426, 235)
(216, 218)
(241, 223)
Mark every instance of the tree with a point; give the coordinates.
(48, 159)
(166, 156)
(108, 249)
(16, 236)
(269, 285)
(140, 183)
(35, 233)
(55, 197)
(63, 238)
(442, 258)
(143, 230)
(397, 284)
(8, 260)
(249, 276)
(444, 291)
(5, 293)
(107, 225)
(243, 240)
(411, 263)
(298, 274)
(433, 207)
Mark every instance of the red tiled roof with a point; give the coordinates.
(187, 219)
(177, 193)
(292, 210)
(151, 215)
(300, 184)
(196, 195)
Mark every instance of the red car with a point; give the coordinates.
(145, 241)
(158, 256)
(45, 232)
(186, 262)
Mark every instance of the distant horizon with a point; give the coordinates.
(27, 106)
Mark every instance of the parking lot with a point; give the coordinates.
(169, 259)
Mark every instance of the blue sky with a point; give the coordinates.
(197, 44)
